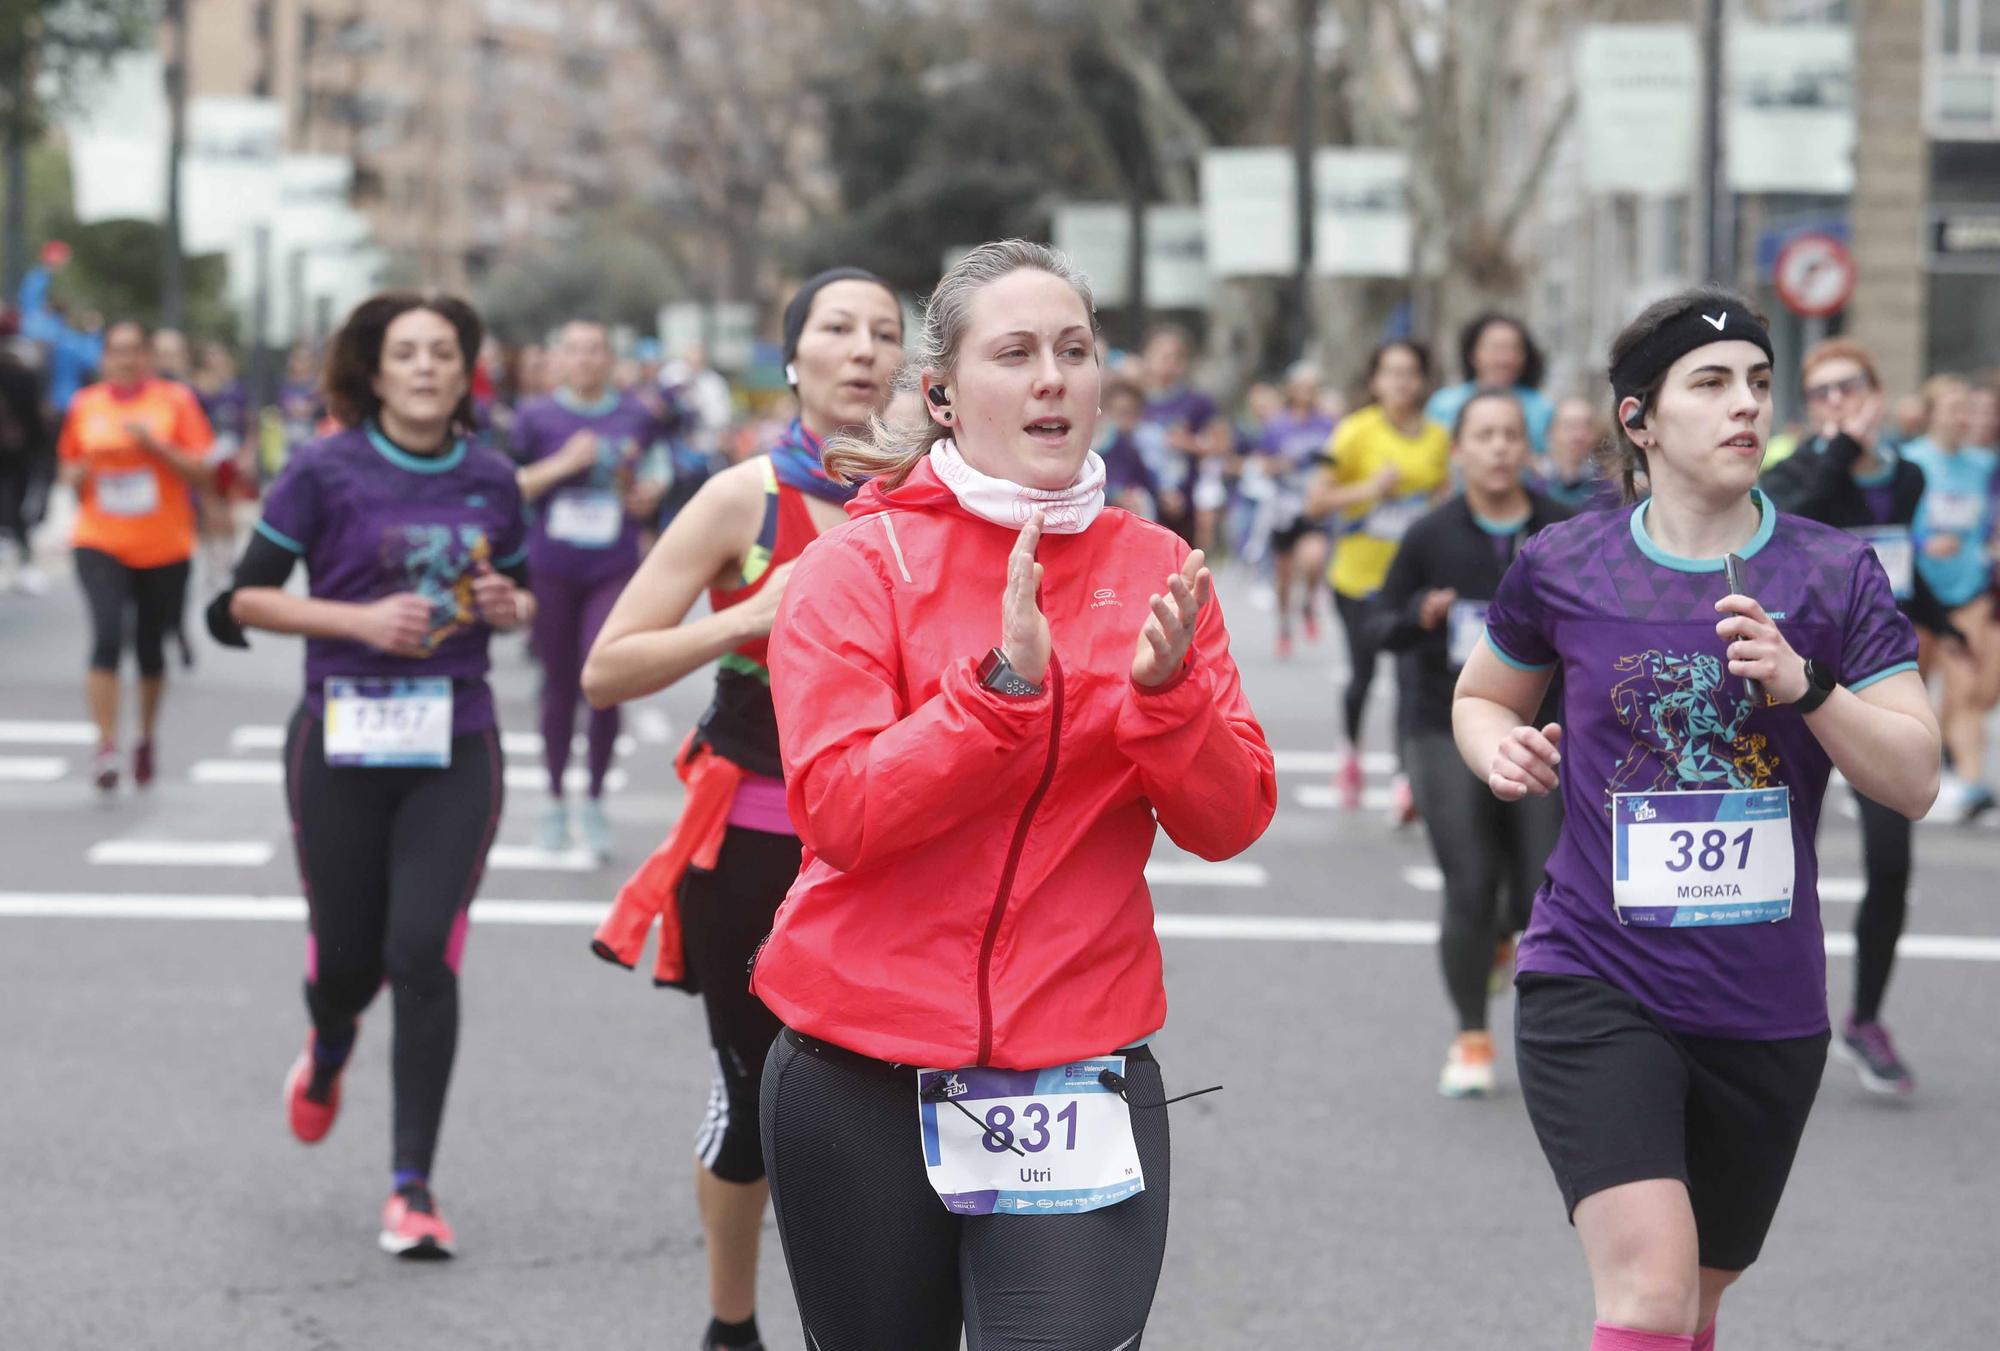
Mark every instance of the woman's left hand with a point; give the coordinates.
(1168, 632)
(1757, 649)
(500, 603)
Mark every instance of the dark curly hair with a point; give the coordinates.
(1533, 365)
(354, 358)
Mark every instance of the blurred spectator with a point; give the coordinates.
(24, 457)
(1129, 481)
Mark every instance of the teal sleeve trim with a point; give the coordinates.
(1897, 669)
(1515, 662)
(515, 559)
(280, 538)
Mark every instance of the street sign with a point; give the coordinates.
(1814, 275)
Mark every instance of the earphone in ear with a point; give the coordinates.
(1636, 419)
(791, 374)
(937, 396)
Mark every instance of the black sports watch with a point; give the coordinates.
(996, 675)
(1820, 685)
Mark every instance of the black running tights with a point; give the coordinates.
(154, 595)
(878, 1262)
(1361, 654)
(1885, 857)
(1483, 846)
(390, 859)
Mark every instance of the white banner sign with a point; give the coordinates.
(1638, 106)
(229, 170)
(118, 142)
(1361, 221)
(1097, 236)
(1791, 108)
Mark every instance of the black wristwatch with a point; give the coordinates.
(996, 675)
(1819, 686)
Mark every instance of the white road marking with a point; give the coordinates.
(45, 732)
(520, 778)
(1320, 797)
(1837, 890)
(32, 768)
(271, 737)
(1255, 928)
(1200, 873)
(1326, 762)
(532, 858)
(236, 771)
(182, 853)
(535, 779)
(655, 727)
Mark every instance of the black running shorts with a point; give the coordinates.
(1615, 1097)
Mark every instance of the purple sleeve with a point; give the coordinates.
(1877, 640)
(292, 510)
(1201, 412)
(510, 546)
(1514, 622)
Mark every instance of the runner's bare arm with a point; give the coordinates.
(1884, 740)
(644, 645)
(1491, 714)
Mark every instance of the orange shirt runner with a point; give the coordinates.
(132, 505)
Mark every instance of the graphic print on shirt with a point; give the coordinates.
(438, 562)
(1686, 723)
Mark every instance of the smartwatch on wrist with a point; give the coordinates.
(996, 675)
(1819, 686)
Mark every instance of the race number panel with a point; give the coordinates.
(1702, 858)
(1072, 1133)
(388, 722)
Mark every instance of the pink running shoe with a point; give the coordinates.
(412, 1227)
(1347, 781)
(1402, 803)
(143, 764)
(311, 1116)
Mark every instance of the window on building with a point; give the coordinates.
(1962, 69)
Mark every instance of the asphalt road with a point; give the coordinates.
(150, 951)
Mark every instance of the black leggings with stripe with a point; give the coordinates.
(878, 1262)
(390, 859)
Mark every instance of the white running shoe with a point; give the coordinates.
(552, 835)
(1468, 1067)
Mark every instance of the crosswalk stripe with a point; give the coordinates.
(519, 778)
(252, 737)
(44, 732)
(532, 858)
(1839, 890)
(182, 853)
(1201, 873)
(32, 768)
(654, 726)
(1253, 928)
(1320, 797)
(1326, 762)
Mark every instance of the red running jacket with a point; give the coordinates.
(973, 890)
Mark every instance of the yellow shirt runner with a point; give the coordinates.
(1363, 445)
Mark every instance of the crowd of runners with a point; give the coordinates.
(964, 639)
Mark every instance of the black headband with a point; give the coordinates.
(1696, 326)
(801, 303)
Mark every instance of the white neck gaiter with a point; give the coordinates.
(1065, 511)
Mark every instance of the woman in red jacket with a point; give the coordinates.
(989, 689)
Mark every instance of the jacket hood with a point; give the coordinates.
(923, 490)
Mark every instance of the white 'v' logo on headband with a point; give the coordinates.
(1718, 320)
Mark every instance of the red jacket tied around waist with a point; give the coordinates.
(973, 890)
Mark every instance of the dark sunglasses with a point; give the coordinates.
(1833, 389)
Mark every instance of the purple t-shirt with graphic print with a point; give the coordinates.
(626, 432)
(371, 521)
(1649, 706)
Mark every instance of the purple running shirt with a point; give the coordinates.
(627, 433)
(1649, 706)
(372, 520)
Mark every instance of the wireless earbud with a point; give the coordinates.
(791, 374)
(937, 396)
(1637, 419)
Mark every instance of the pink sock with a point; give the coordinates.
(1705, 1339)
(1611, 1337)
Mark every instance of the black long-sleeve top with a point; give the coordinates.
(1817, 482)
(1449, 548)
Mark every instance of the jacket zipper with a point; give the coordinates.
(1013, 863)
